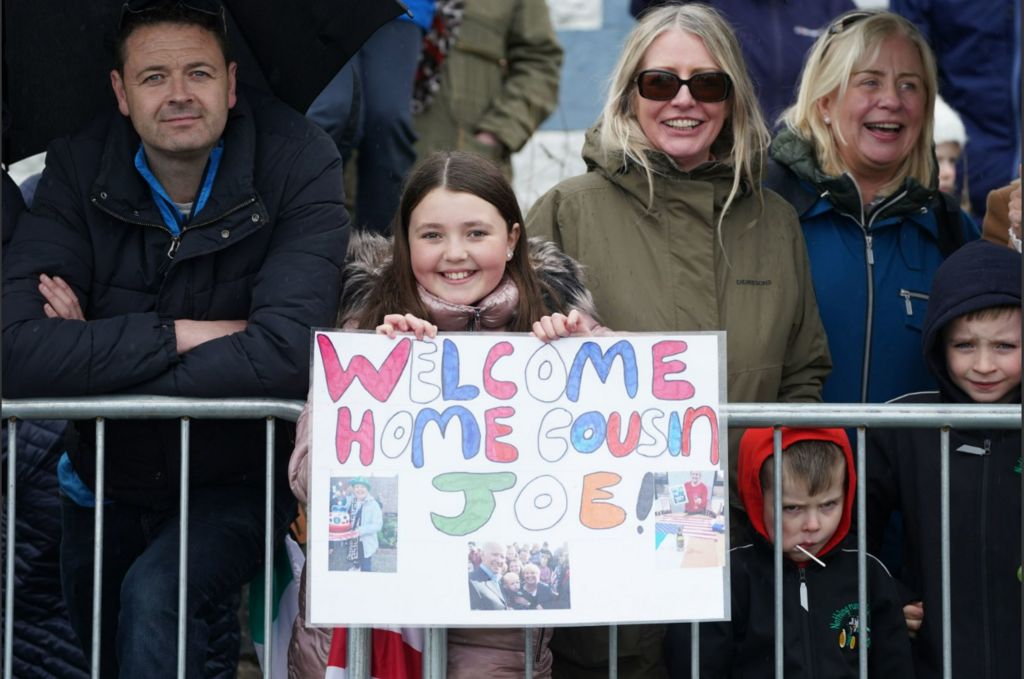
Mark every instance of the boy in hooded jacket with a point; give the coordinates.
(819, 580)
(972, 344)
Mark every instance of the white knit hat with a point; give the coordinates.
(948, 126)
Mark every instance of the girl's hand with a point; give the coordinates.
(61, 301)
(395, 323)
(554, 326)
(914, 614)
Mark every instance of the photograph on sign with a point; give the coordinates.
(690, 523)
(506, 577)
(513, 475)
(362, 535)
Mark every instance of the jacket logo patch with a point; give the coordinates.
(847, 623)
(756, 282)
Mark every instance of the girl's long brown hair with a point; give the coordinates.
(395, 290)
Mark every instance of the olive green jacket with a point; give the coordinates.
(501, 76)
(666, 268)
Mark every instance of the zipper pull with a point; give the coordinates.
(173, 250)
(975, 450)
(905, 294)
(871, 253)
(803, 591)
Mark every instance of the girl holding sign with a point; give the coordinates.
(459, 261)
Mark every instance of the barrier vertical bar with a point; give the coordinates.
(97, 546)
(268, 556)
(862, 551)
(183, 546)
(528, 652)
(947, 627)
(435, 653)
(613, 652)
(695, 650)
(358, 652)
(777, 504)
(12, 439)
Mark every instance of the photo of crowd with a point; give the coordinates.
(518, 576)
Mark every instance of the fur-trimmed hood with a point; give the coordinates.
(369, 256)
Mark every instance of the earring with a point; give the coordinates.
(828, 121)
(508, 257)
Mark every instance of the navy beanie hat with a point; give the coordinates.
(977, 276)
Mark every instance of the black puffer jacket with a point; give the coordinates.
(267, 247)
(44, 645)
(985, 492)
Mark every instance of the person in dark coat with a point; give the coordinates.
(977, 47)
(822, 636)
(182, 247)
(43, 646)
(972, 344)
(485, 593)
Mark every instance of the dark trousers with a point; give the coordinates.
(367, 108)
(139, 613)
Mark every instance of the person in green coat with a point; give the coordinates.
(678, 235)
(498, 83)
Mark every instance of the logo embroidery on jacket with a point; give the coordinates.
(756, 282)
(847, 622)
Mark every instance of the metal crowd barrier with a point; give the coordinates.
(861, 417)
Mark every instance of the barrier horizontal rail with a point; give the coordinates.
(145, 407)
(1000, 416)
(738, 415)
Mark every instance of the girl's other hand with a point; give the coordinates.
(396, 323)
(552, 327)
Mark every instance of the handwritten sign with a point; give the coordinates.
(493, 480)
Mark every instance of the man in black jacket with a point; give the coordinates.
(183, 246)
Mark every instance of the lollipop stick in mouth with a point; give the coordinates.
(816, 559)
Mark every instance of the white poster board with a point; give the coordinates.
(441, 465)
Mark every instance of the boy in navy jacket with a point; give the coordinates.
(972, 344)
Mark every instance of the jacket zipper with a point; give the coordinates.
(474, 322)
(806, 620)
(176, 240)
(869, 257)
(172, 250)
(908, 295)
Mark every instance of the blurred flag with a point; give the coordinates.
(397, 653)
(285, 598)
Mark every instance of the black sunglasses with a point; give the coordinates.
(847, 20)
(664, 85)
(211, 8)
(843, 23)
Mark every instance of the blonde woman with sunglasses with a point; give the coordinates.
(677, 235)
(856, 161)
